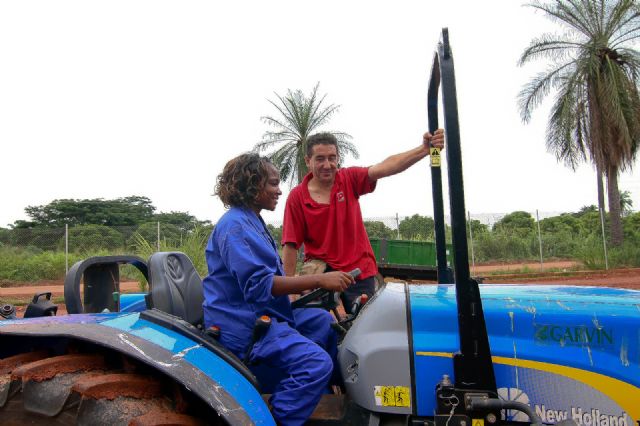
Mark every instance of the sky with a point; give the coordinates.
(109, 99)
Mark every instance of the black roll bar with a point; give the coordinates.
(473, 367)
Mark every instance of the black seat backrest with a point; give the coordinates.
(176, 287)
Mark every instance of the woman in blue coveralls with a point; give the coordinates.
(246, 280)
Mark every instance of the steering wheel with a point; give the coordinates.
(328, 299)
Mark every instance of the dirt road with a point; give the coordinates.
(56, 288)
(622, 278)
(531, 266)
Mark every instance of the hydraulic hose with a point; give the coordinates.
(497, 404)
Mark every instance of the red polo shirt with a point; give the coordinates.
(332, 232)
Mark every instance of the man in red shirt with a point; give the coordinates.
(323, 211)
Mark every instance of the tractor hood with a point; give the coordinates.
(582, 340)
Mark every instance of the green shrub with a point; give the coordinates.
(21, 265)
(628, 255)
(170, 234)
(560, 244)
(193, 245)
(498, 246)
(590, 252)
(86, 238)
(416, 227)
(375, 229)
(42, 238)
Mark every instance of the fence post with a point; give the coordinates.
(539, 238)
(158, 240)
(66, 249)
(473, 257)
(397, 226)
(604, 240)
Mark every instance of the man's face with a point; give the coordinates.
(323, 163)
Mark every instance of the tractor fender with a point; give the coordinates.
(201, 371)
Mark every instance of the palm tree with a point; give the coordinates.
(299, 117)
(596, 112)
(626, 203)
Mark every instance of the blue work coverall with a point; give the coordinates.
(295, 358)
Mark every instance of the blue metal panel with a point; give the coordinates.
(229, 378)
(435, 338)
(132, 302)
(569, 351)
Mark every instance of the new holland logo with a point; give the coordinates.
(573, 335)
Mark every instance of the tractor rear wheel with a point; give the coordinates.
(87, 389)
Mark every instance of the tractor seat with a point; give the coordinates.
(176, 287)
(176, 290)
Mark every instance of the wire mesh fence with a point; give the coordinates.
(36, 253)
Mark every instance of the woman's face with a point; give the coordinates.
(268, 197)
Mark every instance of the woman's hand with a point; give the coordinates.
(335, 281)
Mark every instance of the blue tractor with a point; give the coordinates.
(449, 354)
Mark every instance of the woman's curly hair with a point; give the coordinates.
(242, 179)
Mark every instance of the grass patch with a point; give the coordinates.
(528, 270)
(192, 244)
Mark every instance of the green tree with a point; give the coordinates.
(94, 237)
(125, 211)
(595, 73)
(632, 226)
(476, 227)
(566, 222)
(40, 237)
(182, 220)
(299, 116)
(417, 227)
(377, 229)
(585, 210)
(5, 235)
(179, 219)
(519, 223)
(276, 233)
(169, 233)
(590, 224)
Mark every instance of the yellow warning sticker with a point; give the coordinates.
(392, 396)
(435, 159)
(402, 396)
(477, 422)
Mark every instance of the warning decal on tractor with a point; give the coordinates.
(477, 422)
(392, 396)
(435, 156)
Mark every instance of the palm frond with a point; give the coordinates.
(346, 148)
(270, 139)
(623, 13)
(590, 14)
(566, 114)
(289, 121)
(549, 46)
(282, 159)
(563, 14)
(322, 117)
(539, 87)
(298, 117)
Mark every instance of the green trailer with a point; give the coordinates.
(407, 260)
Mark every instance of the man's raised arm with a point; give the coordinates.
(400, 162)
